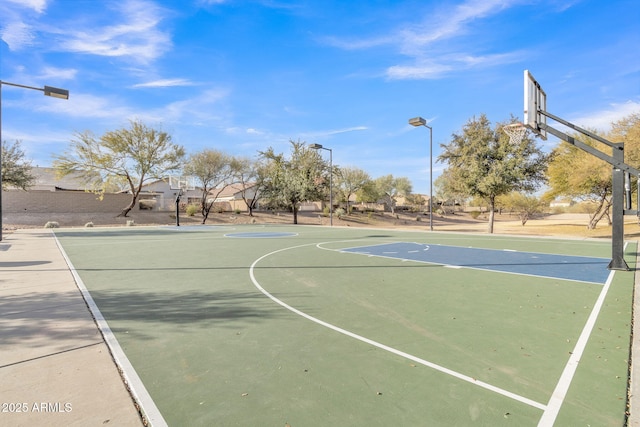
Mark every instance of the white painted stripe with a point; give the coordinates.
(463, 266)
(136, 387)
(560, 392)
(383, 346)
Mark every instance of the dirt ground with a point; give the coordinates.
(570, 225)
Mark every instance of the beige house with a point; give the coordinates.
(158, 195)
(230, 198)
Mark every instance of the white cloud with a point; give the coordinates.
(198, 110)
(165, 83)
(448, 63)
(359, 44)
(17, 35)
(422, 71)
(419, 42)
(351, 129)
(17, 22)
(87, 106)
(601, 120)
(49, 73)
(37, 5)
(136, 35)
(326, 133)
(452, 22)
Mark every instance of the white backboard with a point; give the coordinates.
(535, 101)
(181, 182)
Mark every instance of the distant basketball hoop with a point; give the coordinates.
(516, 132)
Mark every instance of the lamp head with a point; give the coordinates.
(315, 146)
(56, 92)
(417, 121)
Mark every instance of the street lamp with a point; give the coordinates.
(48, 91)
(320, 147)
(419, 121)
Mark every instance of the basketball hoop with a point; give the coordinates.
(516, 132)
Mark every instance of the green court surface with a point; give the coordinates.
(276, 325)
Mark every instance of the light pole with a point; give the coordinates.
(419, 121)
(48, 91)
(320, 147)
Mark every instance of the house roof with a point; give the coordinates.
(46, 179)
(232, 190)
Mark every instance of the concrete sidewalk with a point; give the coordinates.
(55, 368)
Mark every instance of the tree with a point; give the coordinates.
(368, 193)
(250, 175)
(484, 163)
(349, 181)
(215, 171)
(447, 191)
(301, 177)
(390, 188)
(15, 170)
(124, 157)
(416, 202)
(580, 175)
(525, 206)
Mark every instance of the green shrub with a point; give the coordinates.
(52, 224)
(340, 213)
(475, 214)
(326, 211)
(192, 210)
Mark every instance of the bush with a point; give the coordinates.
(130, 223)
(147, 204)
(89, 224)
(192, 210)
(52, 224)
(340, 213)
(326, 211)
(475, 214)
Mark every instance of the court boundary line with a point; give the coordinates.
(348, 251)
(381, 346)
(566, 378)
(132, 381)
(471, 247)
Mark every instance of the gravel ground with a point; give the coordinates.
(458, 222)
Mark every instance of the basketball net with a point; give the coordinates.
(516, 132)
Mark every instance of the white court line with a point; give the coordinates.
(380, 345)
(382, 255)
(560, 392)
(137, 389)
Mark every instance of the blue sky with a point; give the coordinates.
(241, 75)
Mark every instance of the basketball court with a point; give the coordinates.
(274, 325)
